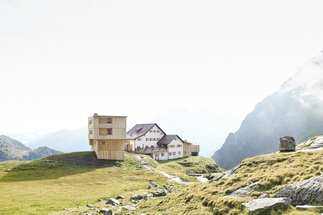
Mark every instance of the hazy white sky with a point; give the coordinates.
(62, 61)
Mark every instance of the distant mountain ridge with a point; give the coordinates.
(11, 149)
(294, 110)
(203, 128)
(64, 140)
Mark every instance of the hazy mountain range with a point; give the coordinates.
(11, 149)
(203, 128)
(64, 140)
(294, 110)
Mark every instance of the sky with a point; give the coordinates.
(62, 61)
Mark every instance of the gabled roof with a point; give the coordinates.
(165, 140)
(139, 130)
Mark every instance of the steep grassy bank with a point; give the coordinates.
(271, 171)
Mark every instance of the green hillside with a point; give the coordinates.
(73, 179)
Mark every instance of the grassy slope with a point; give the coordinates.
(66, 185)
(272, 171)
(36, 187)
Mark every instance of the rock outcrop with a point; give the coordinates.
(243, 192)
(262, 205)
(308, 192)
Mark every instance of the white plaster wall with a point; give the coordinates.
(144, 142)
(165, 157)
(176, 149)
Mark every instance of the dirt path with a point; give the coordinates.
(171, 178)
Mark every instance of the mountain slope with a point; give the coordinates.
(294, 110)
(11, 149)
(64, 140)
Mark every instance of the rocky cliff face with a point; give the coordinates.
(295, 110)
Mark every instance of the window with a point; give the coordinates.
(139, 139)
(90, 121)
(151, 131)
(174, 153)
(151, 139)
(90, 132)
(178, 153)
(109, 131)
(175, 138)
(162, 154)
(158, 138)
(109, 120)
(147, 139)
(155, 139)
(172, 146)
(103, 143)
(179, 145)
(158, 131)
(154, 131)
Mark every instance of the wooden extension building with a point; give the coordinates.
(107, 135)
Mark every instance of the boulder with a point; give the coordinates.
(287, 144)
(154, 185)
(308, 192)
(148, 196)
(136, 197)
(131, 207)
(141, 159)
(161, 192)
(113, 201)
(242, 192)
(121, 197)
(261, 205)
(106, 211)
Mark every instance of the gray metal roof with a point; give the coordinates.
(167, 139)
(139, 130)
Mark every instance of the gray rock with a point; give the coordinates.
(106, 211)
(308, 192)
(149, 187)
(261, 205)
(287, 144)
(89, 206)
(154, 185)
(141, 160)
(232, 171)
(148, 196)
(52, 164)
(131, 207)
(242, 192)
(136, 197)
(216, 178)
(318, 143)
(161, 192)
(113, 201)
(121, 197)
(266, 195)
(308, 207)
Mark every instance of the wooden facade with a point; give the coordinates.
(107, 135)
(195, 149)
(186, 149)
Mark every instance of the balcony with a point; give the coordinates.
(150, 150)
